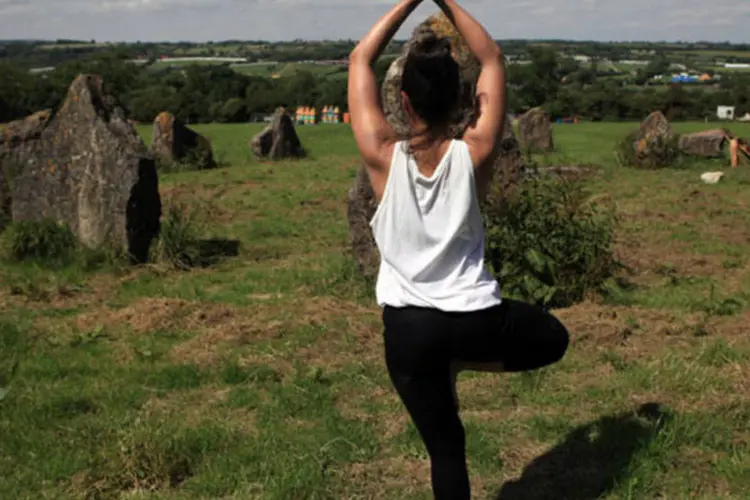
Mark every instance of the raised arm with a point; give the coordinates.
(481, 136)
(372, 132)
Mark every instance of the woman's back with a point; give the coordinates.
(430, 235)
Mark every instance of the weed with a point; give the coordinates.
(180, 244)
(550, 243)
(152, 454)
(178, 237)
(720, 353)
(44, 241)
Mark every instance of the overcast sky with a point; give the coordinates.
(201, 20)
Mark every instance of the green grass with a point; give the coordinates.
(262, 376)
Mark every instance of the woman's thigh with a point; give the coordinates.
(513, 336)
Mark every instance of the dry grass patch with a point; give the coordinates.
(220, 327)
(385, 478)
(360, 341)
(203, 406)
(142, 316)
(192, 407)
(638, 328)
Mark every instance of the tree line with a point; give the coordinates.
(218, 93)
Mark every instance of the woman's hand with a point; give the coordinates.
(482, 135)
(374, 136)
(380, 35)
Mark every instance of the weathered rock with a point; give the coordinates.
(656, 124)
(654, 130)
(279, 139)
(361, 208)
(14, 135)
(508, 161)
(87, 167)
(172, 141)
(535, 131)
(653, 144)
(706, 144)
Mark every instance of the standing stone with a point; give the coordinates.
(652, 145)
(508, 162)
(175, 142)
(12, 139)
(279, 139)
(85, 166)
(535, 131)
(706, 144)
(654, 130)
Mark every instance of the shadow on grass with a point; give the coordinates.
(208, 252)
(592, 460)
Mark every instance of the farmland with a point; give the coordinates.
(262, 376)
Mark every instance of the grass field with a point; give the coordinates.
(262, 377)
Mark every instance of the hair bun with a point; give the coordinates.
(433, 45)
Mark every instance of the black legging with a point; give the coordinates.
(422, 348)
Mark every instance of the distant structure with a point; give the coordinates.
(331, 114)
(725, 112)
(684, 78)
(305, 116)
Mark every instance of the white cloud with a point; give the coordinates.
(318, 19)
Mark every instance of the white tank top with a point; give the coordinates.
(430, 235)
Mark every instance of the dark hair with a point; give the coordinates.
(431, 80)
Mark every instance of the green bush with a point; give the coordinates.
(43, 240)
(549, 242)
(659, 152)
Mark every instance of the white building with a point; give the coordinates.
(725, 112)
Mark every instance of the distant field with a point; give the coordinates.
(183, 63)
(262, 377)
(256, 69)
(722, 69)
(716, 53)
(289, 69)
(74, 46)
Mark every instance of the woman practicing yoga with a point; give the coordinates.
(442, 310)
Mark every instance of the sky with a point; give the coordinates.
(273, 20)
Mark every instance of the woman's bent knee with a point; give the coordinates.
(559, 340)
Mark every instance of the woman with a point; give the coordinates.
(442, 310)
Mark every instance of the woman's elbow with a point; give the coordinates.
(356, 57)
(494, 55)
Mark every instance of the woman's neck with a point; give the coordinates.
(428, 151)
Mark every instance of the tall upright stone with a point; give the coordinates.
(279, 139)
(13, 138)
(654, 142)
(535, 131)
(86, 166)
(508, 162)
(172, 141)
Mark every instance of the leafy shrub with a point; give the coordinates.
(43, 240)
(549, 242)
(181, 244)
(658, 153)
(178, 237)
